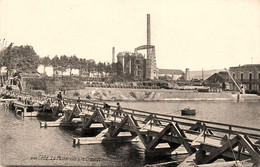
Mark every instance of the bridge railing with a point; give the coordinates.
(164, 119)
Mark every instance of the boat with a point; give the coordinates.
(188, 111)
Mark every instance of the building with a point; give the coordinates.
(248, 74)
(199, 75)
(219, 77)
(135, 64)
(170, 74)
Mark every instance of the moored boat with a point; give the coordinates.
(188, 111)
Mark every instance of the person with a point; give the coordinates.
(78, 102)
(119, 109)
(93, 108)
(29, 102)
(107, 108)
(223, 86)
(59, 96)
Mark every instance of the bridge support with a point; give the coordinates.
(66, 120)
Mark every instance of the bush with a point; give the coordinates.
(36, 83)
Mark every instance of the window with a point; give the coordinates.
(250, 76)
(242, 76)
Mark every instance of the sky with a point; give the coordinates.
(194, 34)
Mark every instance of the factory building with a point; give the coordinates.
(135, 64)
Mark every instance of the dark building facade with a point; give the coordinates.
(134, 64)
(219, 77)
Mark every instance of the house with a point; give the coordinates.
(219, 77)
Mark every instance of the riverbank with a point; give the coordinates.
(112, 94)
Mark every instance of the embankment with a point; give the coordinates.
(108, 94)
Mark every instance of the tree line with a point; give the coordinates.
(24, 58)
(85, 66)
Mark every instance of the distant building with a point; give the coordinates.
(170, 74)
(219, 77)
(199, 75)
(133, 64)
(248, 74)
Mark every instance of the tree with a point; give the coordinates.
(55, 64)
(119, 68)
(82, 65)
(22, 58)
(73, 63)
(45, 61)
(1, 65)
(91, 65)
(100, 68)
(113, 68)
(108, 69)
(64, 62)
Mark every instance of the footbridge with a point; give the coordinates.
(204, 141)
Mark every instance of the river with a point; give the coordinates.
(23, 142)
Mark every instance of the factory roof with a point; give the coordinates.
(171, 71)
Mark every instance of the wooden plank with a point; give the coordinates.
(155, 141)
(103, 140)
(135, 128)
(214, 154)
(252, 144)
(189, 149)
(188, 161)
(255, 156)
(90, 121)
(227, 154)
(117, 130)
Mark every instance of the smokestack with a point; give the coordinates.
(148, 36)
(148, 30)
(113, 55)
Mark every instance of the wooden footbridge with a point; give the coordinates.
(204, 141)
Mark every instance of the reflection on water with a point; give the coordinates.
(23, 142)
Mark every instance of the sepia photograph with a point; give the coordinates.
(130, 83)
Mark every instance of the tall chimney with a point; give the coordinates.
(148, 30)
(148, 36)
(113, 55)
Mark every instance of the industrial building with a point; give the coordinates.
(248, 75)
(135, 64)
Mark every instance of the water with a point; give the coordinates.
(23, 142)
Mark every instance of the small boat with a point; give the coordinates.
(188, 111)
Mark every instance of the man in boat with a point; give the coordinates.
(107, 108)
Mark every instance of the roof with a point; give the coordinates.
(249, 66)
(205, 73)
(221, 74)
(171, 71)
